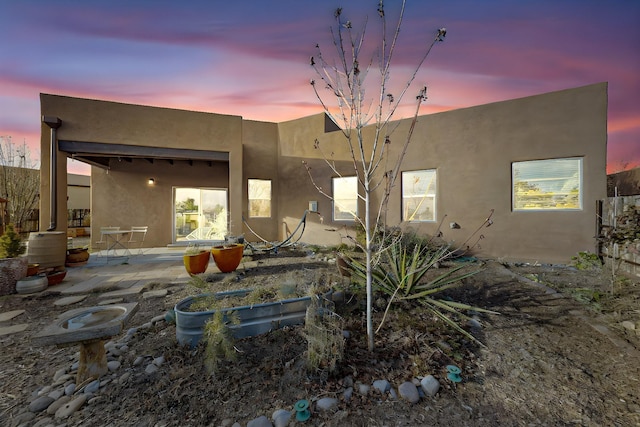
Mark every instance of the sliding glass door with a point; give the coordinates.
(199, 214)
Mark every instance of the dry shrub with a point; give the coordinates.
(323, 331)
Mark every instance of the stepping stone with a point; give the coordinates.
(95, 283)
(110, 301)
(69, 300)
(124, 292)
(158, 293)
(8, 315)
(7, 330)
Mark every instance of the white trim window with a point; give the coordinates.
(419, 195)
(259, 198)
(345, 198)
(554, 184)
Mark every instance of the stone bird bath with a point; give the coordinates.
(88, 327)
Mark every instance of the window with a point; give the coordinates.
(199, 214)
(419, 195)
(259, 198)
(345, 198)
(554, 184)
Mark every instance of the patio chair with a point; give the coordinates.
(136, 238)
(102, 243)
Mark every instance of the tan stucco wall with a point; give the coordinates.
(122, 197)
(472, 150)
(131, 201)
(260, 149)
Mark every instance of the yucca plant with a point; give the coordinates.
(400, 275)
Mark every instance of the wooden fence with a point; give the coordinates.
(619, 233)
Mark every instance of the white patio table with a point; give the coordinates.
(115, 240)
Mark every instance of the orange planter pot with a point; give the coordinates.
(196, 263)
(228, 257)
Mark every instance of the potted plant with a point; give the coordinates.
(227, 257)
(77, 257)
(196, 260)
(13, 267)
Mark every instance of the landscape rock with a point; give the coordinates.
(327, 404)
(408, 391)
(261, 421)
(281, 418)
(53, 408)
(72, 406)
(59, 373)
(430, 385)
(70, 389)
(347, 394)
(363, 389)
(56, 394)
(44, 390)
(92, 387)
(40, 404)
(382, 386)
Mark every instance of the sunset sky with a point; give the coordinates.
(251, 57)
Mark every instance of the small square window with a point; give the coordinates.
(419, 195)
(345, 198)
(554, 184)
(259, 198)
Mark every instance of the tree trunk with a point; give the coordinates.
(368, 238)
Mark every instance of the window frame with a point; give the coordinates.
(334, 203)
(433, 186)
(515, 198)
(249, 199)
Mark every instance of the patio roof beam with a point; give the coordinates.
(98, 154)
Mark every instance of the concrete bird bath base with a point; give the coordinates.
(88, 327)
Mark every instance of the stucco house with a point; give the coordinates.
(538, 162)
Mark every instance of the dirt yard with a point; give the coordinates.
(550, 358)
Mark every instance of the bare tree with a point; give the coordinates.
(19, 181)
(344, 76)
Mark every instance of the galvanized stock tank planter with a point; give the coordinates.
(254, 319)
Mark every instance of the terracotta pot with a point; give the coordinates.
(12, 270)
(196, 263)
(33, 269)
(228, 257)
(76, 257)
(56, 277)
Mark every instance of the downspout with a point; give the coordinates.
(53, 123)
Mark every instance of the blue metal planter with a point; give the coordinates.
(254, 319)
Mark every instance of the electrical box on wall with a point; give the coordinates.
(313, 206)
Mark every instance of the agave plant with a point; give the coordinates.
(400, 275)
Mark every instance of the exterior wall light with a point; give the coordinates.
(151, 181)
